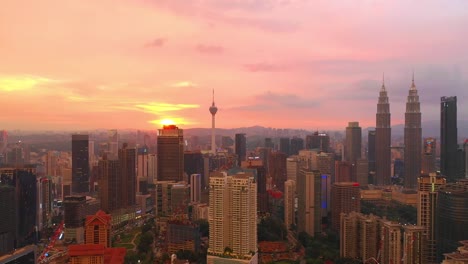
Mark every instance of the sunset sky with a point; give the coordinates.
(313, 64)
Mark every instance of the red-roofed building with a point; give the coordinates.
(98, 229)
(96, 254)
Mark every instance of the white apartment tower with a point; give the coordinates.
(233, 214)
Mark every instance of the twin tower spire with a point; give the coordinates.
(413, 139)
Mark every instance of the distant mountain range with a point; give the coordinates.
(429, 129)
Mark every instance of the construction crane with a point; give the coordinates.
(58, 231)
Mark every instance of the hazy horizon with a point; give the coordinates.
(80, 65)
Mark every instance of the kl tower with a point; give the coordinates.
(213, 111)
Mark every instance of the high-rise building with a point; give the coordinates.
(309, 189)
(451, 217)
(353, 142)
(343, 171)
(390, 239)
(320, 141)
(277, 169)
(414, 244)
(26, 185)
(465, 147)
(383, 140)
(413, 138)
(233, 214)
(362, 171)
(170, 154)
(182, 235)
(80, 164)
(292, 168)
(296, 145)
(113, 144)
(76, 208)
(110, 186)
(371, 153)
(284, 146)
(193, 164)
(98, 229)
(195, 188)
(359, 236)
(46, 201)
(241, 148)
(171, 198)
(448, 138)
(152, 168)
(260, 174)
(8, 218)
(213, 111)
(326, 163)
(429, 155)
(428, 186)
(345, 198)
(269, 143)
(142, 167)
(289, 203)
(127, 159)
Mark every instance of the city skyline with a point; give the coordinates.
(273, 63)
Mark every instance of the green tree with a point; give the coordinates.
(131, 258)
(145, 242)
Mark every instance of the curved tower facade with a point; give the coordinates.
(451, 217)
(383, 140)
(213, 111)
(413, 139)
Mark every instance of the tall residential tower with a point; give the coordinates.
(383, 140)
(413, 138)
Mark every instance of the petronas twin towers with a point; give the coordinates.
(413, 139)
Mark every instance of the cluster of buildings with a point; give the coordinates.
(313, 183)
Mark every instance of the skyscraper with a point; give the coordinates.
(451, 217)
(8, 218)
(319, 141)
(383, 141)
(428, 186)
(289, 203)
(195, 188)
(448, 138)
(296, 145)
(241, 148)
(109, 184)
(127, 159)
(371, 153)
(284, 146)
(233, 214)
(170, 154)
(113, 143)
(414, 244)
(390, 242)
(213, 111)
(413, 138)
(309, 189)
(345, 198)
(80, 164)
(353, 142)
